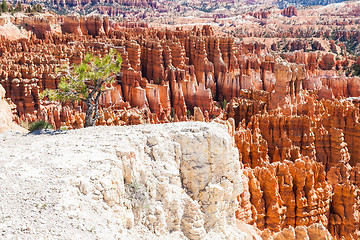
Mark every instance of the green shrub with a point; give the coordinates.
(38, 125)
(223, 104)
(158, 81)
(356, 69)
(64, 128)
(24, 124)
(188, 114)
(172, 113)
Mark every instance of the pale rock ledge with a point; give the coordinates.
(170, 181)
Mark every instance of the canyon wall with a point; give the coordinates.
(7, 117)
(301, 168)
(162, 70)
(294, 116)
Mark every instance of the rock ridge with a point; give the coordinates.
(179, 180)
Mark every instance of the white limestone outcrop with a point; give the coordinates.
(170, 181)
(6, 121)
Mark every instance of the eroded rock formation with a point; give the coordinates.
(300, 168)
(289, 11)
(294, 116)
(6, 114)
(175, 180)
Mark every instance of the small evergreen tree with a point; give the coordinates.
(4, 6)
(355, 69)
(38, 8)
(85, 83)
(18, 7)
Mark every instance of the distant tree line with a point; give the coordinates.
(352, 71)
(286, 3)
(17, 7)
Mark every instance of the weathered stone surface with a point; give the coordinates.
(6, 115)
(293, 112)
(313, 232)
(327, 61)
(289, 11)
(71, 24)
(178, 181)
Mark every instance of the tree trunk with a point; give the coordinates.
(89, 121)
(96, 106)
(92, 110)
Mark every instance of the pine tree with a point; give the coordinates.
(4, 6)
(85, 83)
(37, 8)
(18, 7)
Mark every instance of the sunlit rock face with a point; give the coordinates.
(176, 180)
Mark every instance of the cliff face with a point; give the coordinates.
(289, 11)
(313, 232)
(177, 180)
(301, 168)
(6, 114)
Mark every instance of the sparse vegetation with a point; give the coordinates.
(172, 113)
(18, 7)
(64, 128)
(158, 81)
(4, 6)
(24, 124)
(39, 125)
(188, 114)
(223, 104)
(354, 70)
(137, 194)
(85, 83)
